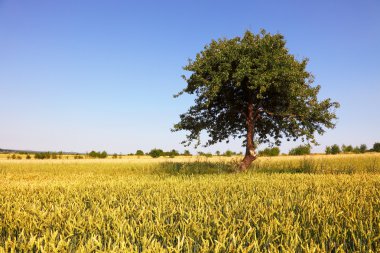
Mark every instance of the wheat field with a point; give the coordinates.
(283, 204)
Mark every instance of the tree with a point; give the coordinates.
(376, 147)
(155, 153)
(173, 153)
(252, 88)
(94, 154)
(139, 152)
(229, 153)
(275, 151)
(347, 149)
(103, 154)
(186, 153)
(335, 149)
(363, 148)
(300, 150)
(356, 150)
(328, 150)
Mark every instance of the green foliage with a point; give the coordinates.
(186, 153)
(253, 83)
(275, 151)
(328, 150)
(42, 155)
(139, 152)
(363, 148)
(28, 157)
(300, 150)
(335, 149)
(376, 147)
(173, 153)
(94, 154)
(347, 149)
(204, 154)
(229, 153)
(155, 153)
(356, 150)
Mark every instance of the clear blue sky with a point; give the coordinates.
(82, 75)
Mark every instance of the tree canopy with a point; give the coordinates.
(252, 87)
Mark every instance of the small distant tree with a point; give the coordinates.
(363, 148)
(155, 153)
(275, 151)
(356, 150)
(139, 152)
(335, 149)
(114, 156)
(376, 147)
(328, 150)
(300, 150)
(228, 153)
(172, 153)
(217, 152)
(186, 153)
(207, 154)
(103, 154)
(93, 154)
(28, 156)
(347, 149)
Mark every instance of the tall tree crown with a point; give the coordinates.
(253, 84)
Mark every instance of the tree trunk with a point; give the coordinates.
(250, 154)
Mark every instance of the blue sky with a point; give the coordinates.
(83, 75)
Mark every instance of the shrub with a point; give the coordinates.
(186, 153)
(139, 152)
(155, 153)
(347, 149)
(275, 151)
(335, 149)
(28, 156)
(356, 150)
(376, 147)
(94, 154)
(229, 153)
(42, 155)
(300, 150)
(172, 153)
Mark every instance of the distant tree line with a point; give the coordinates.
(335, 149)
